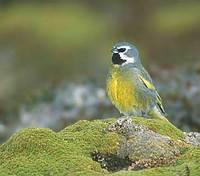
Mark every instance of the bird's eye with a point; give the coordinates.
(121, 50)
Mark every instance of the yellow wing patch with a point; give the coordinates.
(151, 87)
(147, 83)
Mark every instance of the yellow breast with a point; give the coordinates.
(121, 92)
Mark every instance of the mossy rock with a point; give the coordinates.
(98, 148)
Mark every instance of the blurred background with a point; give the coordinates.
(54, 57)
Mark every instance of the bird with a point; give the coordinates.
(129, 85)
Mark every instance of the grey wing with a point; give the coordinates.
(146, 80)
(145, 74)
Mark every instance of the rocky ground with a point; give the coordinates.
(127, 146)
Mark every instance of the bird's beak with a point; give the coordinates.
(114, 50)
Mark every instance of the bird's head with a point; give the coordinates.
(124, 53)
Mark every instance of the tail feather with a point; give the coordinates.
(158, 113)
(161, 108)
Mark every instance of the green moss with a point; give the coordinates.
(164, 171)
(68, 152)
(160, 126)
(44, 151)
(91, 136)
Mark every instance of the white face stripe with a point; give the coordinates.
(123, 56)
(126, 47)
(127, 59)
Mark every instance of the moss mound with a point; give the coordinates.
(89, 148)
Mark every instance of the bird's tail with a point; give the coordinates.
(157, 114)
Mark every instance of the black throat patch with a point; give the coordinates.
(116, 59)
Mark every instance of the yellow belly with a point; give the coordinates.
(122, 93)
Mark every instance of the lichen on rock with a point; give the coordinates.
(144, 147)
(135, 146)
(193, 138)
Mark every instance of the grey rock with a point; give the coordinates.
(193, 138)
(142, 146)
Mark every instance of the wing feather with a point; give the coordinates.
(149, 85)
